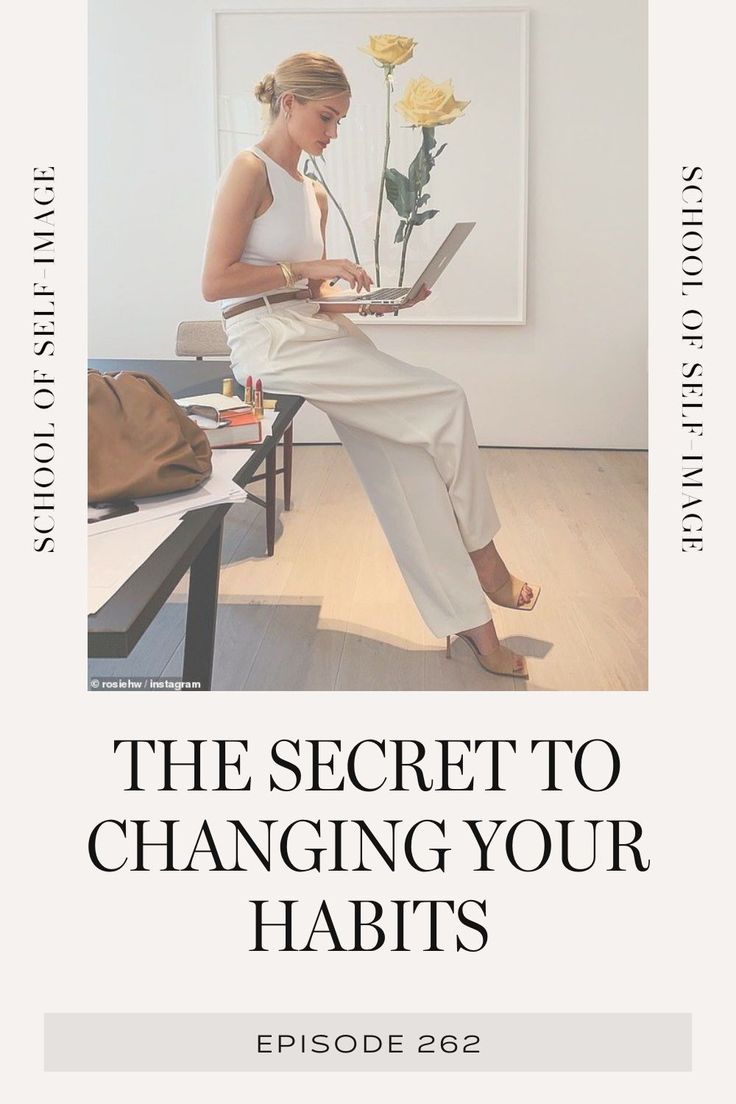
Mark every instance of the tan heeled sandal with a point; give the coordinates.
(501, 661)
(508, 594)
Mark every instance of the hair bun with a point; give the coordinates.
(265, 89)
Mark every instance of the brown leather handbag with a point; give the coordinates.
(140, 442)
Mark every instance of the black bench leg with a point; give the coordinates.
(199, 642)
(270, 501)
(288, 450)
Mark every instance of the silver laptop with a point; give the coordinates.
(429, 276)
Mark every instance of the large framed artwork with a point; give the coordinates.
(458, 92)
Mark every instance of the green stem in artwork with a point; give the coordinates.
(407, 235)
(324, 184)
(381, 186)
(404, 244)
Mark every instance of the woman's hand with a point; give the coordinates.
(320, 271)
(375, 310)
(378, 309)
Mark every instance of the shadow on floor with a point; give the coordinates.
(262, 645)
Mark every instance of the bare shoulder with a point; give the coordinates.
(244, 183)
(246, 167)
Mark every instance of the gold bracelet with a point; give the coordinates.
(287, 273)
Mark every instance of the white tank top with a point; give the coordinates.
(289, 230)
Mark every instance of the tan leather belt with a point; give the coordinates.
(277, 297)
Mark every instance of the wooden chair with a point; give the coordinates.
(206, 340)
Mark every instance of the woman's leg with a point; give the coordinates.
(413, 507)
(409, 433)
(412, 504)
(335, 366)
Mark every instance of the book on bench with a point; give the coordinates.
(227, 422)
(235, 428)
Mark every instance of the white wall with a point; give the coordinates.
(574, 375)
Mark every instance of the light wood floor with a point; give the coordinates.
(330, 610)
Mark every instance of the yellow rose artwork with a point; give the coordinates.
(389, 49)
(427, 104)
(424, 104)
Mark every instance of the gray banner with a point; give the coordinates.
(511, 1042)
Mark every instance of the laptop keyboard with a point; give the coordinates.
(384, 293)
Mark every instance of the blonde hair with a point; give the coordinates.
(308, 76)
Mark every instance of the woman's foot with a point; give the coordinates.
(484, 637)
(490, 653)
(499, 584)
(514, 594)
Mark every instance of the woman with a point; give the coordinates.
(407, 429)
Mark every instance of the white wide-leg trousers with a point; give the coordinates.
(410, 437)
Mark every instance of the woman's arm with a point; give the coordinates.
(242, 188)
(320, 289)
(317, 288)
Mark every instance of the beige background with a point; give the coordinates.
(657, 942)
